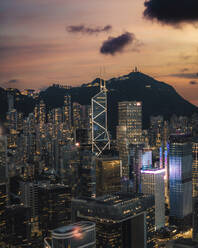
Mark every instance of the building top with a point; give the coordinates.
(114, 207)
(72, 229)
(153, 171)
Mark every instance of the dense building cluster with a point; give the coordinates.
(64, 182)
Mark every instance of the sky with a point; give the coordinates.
(69, 41)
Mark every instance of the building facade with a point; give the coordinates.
(122, 220)
(180, 179)
(152, 182)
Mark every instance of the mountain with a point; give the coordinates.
(158, 98)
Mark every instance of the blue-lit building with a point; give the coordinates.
(180, 179)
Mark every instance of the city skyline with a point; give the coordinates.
(44, 42)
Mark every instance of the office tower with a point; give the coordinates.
(80, 234)
(135, 158)
(67, 113)
(129, 130)
(53, 206)
(180, 179)
(86, 173)
(100, 135)
(29, 197)
(42, 112)
(57, 116)
(155, 130)
(10, 102)
(18, 230)
(77, 115)
(152, 183)
(146, 158)
(108, 175)
(3, 204)
(3, 157)
(195, 167)
(195, 219)
(122, 220)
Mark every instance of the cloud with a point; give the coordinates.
(88, 30)
(193, 82)
(173, 12)
(185, 75)
(184, 70)
(117, 44)
(13, 81)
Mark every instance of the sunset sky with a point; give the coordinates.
(38, 46)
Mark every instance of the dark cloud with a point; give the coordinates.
(116, 44)
(88, 30)
(184, 70)
(13, 81)
(185, 75)
(173, 12)
(193, 82)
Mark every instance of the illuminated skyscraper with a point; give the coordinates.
(180, 179)
(195, 167)
(108, 176)
(129, 130)
(152, 183)
(100, 135)
(67, 110)
(81, 234)
(122, 220)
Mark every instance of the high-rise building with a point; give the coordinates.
(100, 135)
(29, 198)
(195, 219)
(122, 220)
(3, 204)
(80, 234)
(54, 206)
(135, 160)
(108, 175)
(152, 183)
(195, 167)
(180, 179)
(10, 102)
(18, 230)
(129, 130)
(67, 110)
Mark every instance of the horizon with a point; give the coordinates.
(45, 41)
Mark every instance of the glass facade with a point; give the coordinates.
(108, 176)
(100, 136)
(180, 177)
(129, 130)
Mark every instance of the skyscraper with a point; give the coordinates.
(122, 220)
(100, 135)
(195, 167)
(152, 183)
(67, 110)
(129, 130)
(108, 175)
(180, 179)
(195, 219)
(53, 206)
